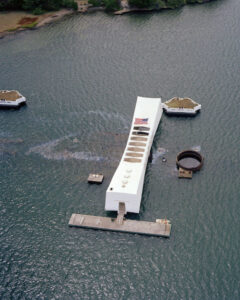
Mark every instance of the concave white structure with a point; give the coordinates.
(127, 183)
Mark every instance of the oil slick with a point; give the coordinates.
(48, 150)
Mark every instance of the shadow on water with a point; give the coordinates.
(184, 117)
(22, 106)
(212, 4)
(130, 216)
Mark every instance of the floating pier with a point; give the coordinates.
(95, 178)
(113, 224)
(181, 106)
(11, 98)
(182, 173)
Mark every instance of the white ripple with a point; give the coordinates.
(196, 148)
(160, 152)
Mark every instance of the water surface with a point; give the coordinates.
(81, 77)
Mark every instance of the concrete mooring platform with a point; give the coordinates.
(182, 173)
(162, 228)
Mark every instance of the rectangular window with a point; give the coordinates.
(141, 128)
(135, 149)
(137, 144)
(132, 160)
(134, 154)
(138, 138)
(140, 133)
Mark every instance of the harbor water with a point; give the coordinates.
(81, 77)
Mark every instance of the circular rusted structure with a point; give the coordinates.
(190, 154)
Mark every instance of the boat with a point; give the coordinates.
(181, 106)
(11, 98)
(127, 183)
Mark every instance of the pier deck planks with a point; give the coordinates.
(130, 226)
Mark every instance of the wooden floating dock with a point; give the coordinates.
(181, 106)
(120, 224)
(182, 173)
(95, 178)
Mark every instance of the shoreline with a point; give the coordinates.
(13, 27)
(8, 28)
(127, 10)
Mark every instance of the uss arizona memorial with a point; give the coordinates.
(127, 182)
(125, 190)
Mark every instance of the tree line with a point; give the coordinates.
(111, 5)
(159, 4)
(37, 6)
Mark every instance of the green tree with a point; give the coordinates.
(30, 4)
(111, 5)
(95, 2)
(175, 3)
(51, 4)
(41, 5)
(70, 4)
(143, 3)
(10, 4)
(160, 4)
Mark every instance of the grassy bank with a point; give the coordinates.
(11, 21)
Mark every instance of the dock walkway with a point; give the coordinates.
(112, 224)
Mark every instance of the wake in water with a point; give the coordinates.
(196, 148)
(48, 150)
(159, 153)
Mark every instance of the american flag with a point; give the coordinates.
(141, 121)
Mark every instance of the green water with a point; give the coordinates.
(81, 77)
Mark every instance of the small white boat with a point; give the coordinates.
(181, 106)
(11, 99)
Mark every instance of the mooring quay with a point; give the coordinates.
(113, 224)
